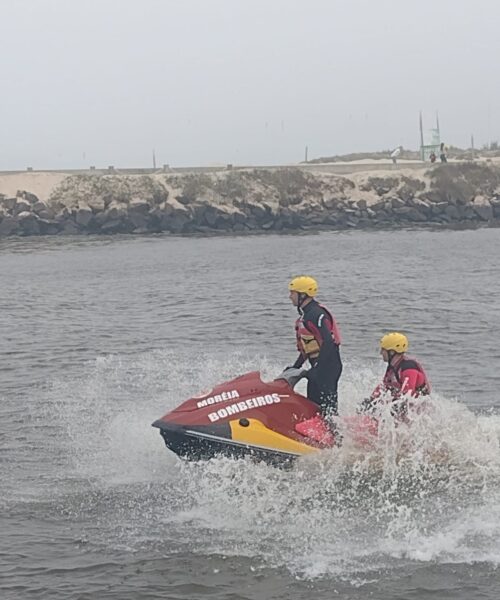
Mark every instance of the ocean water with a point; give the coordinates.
(101, 336)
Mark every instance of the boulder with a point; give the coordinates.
(290, 199)
(259, 211)
(469, 213)
(268, 224)
(115, 211)
(175, 222)
(220, 217)
(8, 203)
(48, 226)
(69, 227)
(28, 196)
(422, 206)
(138, 220)
(330, 201)
(451, 211)
(403, 210)
(28, 223)
(380, 204)
(9, 225)
(63, 215)
(406, 193)
(381, 185)
(495, 205)
(137, 205)
(482, 207)
(21, 206)
(438, 208)
(431, 196)
(207, 215)
(238, 216)
(83, 214)
(173, 206)
(155, 215)
(397, 202)
(116, 226)
(97, 204)
(39, 207)
(415, 215)
(47, 214)
(99, 219)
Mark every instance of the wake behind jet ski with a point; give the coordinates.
(249, 417)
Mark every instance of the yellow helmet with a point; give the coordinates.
(304, 285)
(394, 341)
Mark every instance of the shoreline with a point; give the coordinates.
(457, 195)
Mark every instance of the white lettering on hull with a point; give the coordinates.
(222, 397)
(239, 407)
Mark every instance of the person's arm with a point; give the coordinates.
(301, 359)
(409, 377)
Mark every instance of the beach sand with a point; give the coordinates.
(40, 184)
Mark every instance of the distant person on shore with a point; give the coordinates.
(442, 153)
(404, 376)
(318, 341)
(396, 153)
(432, 157)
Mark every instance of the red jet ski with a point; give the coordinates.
(248, 417)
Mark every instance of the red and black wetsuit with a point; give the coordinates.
(404, 375)
(318, 340)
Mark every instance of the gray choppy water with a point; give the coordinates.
(102, 336)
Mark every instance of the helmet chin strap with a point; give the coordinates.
(301, 300)
(392, 354)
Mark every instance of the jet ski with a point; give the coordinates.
(246, 416)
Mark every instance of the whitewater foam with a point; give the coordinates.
(426, 492)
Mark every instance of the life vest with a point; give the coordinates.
(309, 340)
(394, 382)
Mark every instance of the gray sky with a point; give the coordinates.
(240, 81)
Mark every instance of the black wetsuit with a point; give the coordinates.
(326, 368)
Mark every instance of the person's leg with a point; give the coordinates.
(324, 394)
(329, 401)
(326, 399)
(313, 392)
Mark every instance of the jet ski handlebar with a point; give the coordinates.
(292, 375)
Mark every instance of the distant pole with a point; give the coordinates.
(437, 126)
(154, 159)
(306, 154)
(421, 138)
(489, 126)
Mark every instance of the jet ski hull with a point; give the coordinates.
(268, 421)
(200, 444)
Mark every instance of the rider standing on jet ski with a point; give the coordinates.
(404, 375)
(318, 340)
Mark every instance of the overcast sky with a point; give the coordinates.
(103, 82)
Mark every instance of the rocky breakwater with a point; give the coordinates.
(452, 195)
